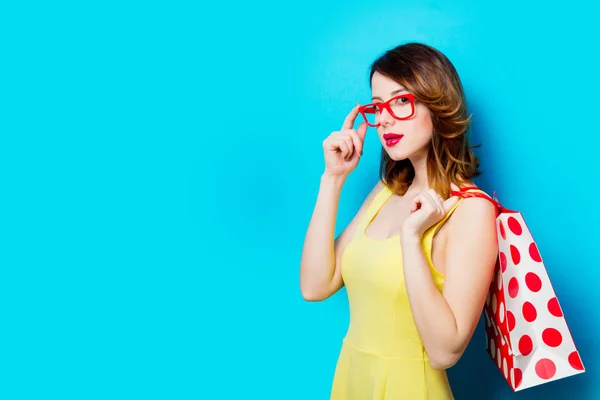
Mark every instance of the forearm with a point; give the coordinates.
(433, 316)
(317, 267)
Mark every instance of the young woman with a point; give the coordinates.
(416, 260)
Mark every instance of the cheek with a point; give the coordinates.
(423, 126)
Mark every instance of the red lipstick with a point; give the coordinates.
(391, 139)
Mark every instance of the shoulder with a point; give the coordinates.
(472, 230)
(474, 211)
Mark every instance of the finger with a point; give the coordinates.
(416, 204)
(451, 202)
(336, 145)
(434, 195)
(362, 131)
(343, 148)
(341, 134)
(439, 202)
(331, 144)
(350, 118)
(440, 199)
(431, 196)
(358, 144)
(350, 143)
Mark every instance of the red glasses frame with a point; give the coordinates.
(372, 108)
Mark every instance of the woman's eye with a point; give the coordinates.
(402, 100)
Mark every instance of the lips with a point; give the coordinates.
(392, 138)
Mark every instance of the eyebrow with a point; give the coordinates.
(395, 92)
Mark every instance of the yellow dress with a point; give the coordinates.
(382, 356)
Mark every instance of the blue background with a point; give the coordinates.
(160, 162)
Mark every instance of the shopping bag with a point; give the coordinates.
(526, 332)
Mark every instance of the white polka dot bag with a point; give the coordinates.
(526, 332)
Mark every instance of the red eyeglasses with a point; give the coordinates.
(400, 107)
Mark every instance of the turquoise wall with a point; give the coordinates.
(160, 162)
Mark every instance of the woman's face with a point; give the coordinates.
(401, 139)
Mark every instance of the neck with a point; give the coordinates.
(421, 179)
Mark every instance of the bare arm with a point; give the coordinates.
(320, 275)
(446, 321)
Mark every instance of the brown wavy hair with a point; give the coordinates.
(432, 79)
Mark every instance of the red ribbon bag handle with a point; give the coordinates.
(464, 193)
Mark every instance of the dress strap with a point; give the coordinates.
(373, 209)
(467, 192)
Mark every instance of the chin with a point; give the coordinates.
(396, 154)
(397, 157)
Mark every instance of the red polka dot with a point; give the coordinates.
(510, 318)
(515, 255)
(552, 337)
(534, 253)
(533, 282)
(513, 287)
(575, 361)
(529, 312)
(503, 261)
(502, 231)
(514, 226)
(518, 375)
(554, 308)
(525, 345)
(545, 368)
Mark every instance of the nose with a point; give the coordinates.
(385, 119)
